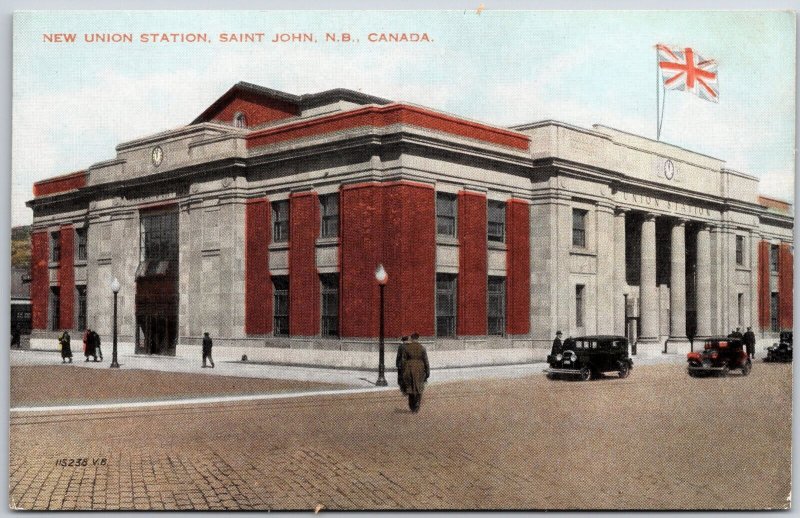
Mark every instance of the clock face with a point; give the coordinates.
(157, 155)
(669, 170)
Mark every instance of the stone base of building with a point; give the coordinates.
(649, 347)
(677, 345)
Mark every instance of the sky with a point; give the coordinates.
(73, 103)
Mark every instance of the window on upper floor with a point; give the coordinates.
(329, 209)
(445, 214)
(579, 228)
(773, 257)
(80, 237)
(740, 250)
(280, 221)
(55, 246)
(496, 221)
(239, 120)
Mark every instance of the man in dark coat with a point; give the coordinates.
(416, 371)
(89, 345)
(96, 346)
(399, 363)
(66, 350)
(558, 346)
(750, 342)
(15, 338)
(737, 333)
(207, 344)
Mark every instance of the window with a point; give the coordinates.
(773, 312)
(740, 250)
(330, 304)
(55, 308)
(329, 207)
(280, 221)
(239, 120)
(773, 257)
(445, 304)
(740, 308)
(80, 235)
(579, 292)
(496, 222)
(280, 324)
(496, 309)
(579, 228)
(445, 214)
(158, 238)
(55, 246)
(81, 306)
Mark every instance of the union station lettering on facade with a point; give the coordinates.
(262, 222)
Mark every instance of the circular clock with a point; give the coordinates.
(157, 155)
(669, 170)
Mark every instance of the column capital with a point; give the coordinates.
(679, 221)
(649, 216)
(621, 211)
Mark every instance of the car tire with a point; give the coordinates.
(725, 371)
(692, 374)
(586, 374)
(746, 368)
(551, 376)
(624, 371)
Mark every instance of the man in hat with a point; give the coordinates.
(399, 363)
(66, 349)
(207, 344)
(558, 346)
(416, 371)
(750, 342)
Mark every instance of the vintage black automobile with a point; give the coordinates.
(720, 355)
(587, 357)
(781, 351)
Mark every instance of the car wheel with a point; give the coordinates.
(586, 374)
(746, 369)
(624, 370)
(551, 376)
(725, 371)
(692, 374)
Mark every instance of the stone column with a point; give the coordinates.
(648, 291)
(678, 343)
(619, 271)
(605, 287)
(703, 282)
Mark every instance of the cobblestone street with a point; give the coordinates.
(658, 439)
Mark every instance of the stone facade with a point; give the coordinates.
(603, 232)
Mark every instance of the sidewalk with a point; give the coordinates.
(353, 378)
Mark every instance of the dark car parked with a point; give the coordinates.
(720, 355)
(781, 351)
(587, 357)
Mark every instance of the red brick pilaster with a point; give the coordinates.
(763, 285)
(518, 267)
(785, 286)
(472, 264)
(304, 288)
(258, 286)
(40, 279)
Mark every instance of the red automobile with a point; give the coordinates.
(720, 356)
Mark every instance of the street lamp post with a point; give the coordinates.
(115, 288)
(382, 277)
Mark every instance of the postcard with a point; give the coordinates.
(402, 260)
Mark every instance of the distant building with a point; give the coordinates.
(21, 300)
(262, 222)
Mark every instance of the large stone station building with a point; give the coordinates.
(263, 220)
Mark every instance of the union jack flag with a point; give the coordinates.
(683, 69)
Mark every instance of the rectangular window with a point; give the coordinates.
(55, 246)
(280, 324)
(158, 237)
(773, 312)
(280, 221)
(740, 308)
(80, 237)
(740, 250)
(579, 228)
(496, 222)
(445, 214)
(55, 308)
(773, 257)
(329, 208)
(496, 308)
(80, 295)
(579, 304)
(330, 304)
(445, 304)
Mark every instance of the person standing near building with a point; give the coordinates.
(416, 371)
(89, 345)
(66, 350)
(399, 363)
(750, 342)
(96, 343)
(207, 344)
(558, 346)
(737, 333)
(15, 338)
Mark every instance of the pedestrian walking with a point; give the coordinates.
(558, 345)
(416, 371)
(97, 350)
(88, 345)
(737, 333)
(207, 344)
(399, 363)
(15, 338)
(66, 350)
(750, 342)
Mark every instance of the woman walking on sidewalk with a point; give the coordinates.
(416, 371)
(66, 350)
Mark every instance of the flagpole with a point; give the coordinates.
(658, 123)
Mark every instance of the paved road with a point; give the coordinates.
(658, 439)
